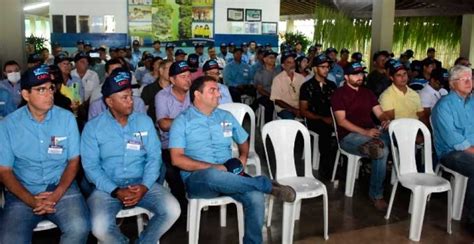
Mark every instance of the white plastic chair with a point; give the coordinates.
(239, 110)
(195, 206)
(459, 186)
(282, 134)
(403, 134)
(260, 116)
(135, 211)
(353, 163)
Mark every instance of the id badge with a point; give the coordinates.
(54, 148)
(133, 145)
(227, 129)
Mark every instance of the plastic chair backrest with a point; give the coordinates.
(282, 134)
(403, 132)
(239, 110)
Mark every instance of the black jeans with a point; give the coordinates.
(269, 107)
(174, 180)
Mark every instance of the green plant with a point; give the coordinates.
(336, 29)
(37, 42)
(293, 37)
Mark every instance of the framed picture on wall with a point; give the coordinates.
(269, 28)
(235, 14)
(252, 28)
(253, 15)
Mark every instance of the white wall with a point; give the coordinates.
(117, 8)
(270, 11)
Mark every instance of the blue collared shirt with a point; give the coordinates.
(228, 58)
(168, 106)
(15, 90)
(338, 73)
(225, 94)
(158, 54)
(38, 152)
(7, 105)
(452, 120)
(206, 138)
(111, 154)
(236, 74)
(256, 66)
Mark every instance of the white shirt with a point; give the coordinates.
(90, 81)
(429, 96)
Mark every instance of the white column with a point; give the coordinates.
(12, 27)
(467, 37)
(290, 25)
(383, 16)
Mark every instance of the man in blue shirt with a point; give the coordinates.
(40, 159)
(237, 77)
(200, 144)
(224, 54)
(136, 53)
(123, 162)
(336, 72)
(156, 50)
(452, 120)
(11, 70)
(6, 103)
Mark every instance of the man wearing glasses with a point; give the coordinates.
(40, 159)
(452, 121)
(286, 88)
(315, 103)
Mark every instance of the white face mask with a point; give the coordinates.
(14, 77)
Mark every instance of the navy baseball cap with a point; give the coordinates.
(179, 52)
(320, 59)
(409, 53)
(35, 76)
(61, 57)
(441, 75)
(119, 80)
(244, 44)
(34, 58)
(231, 44)
(357, 56)
(269, 52)
(286, 55)
(87, 44)
(169, 45)
(331, 50)
(354, 68)
(223, 44)
(178, 67)
(81, 55)
(210, 64)
(148, 56)
(198, 45)
(193, 61)
(80, 42)
(311, 49)
(394, 66)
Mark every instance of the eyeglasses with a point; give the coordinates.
(42, 90)
(465, 79)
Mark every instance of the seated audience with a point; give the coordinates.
(237, 77)
(263, 82)
(453, 132)
(40, 159)
(353, 105)
(200, 143)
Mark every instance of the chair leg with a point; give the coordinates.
(240, 222)
(288, 222)
(392, 198)
(140, 223)
(450, 211)
(270, 210)
(223, 215)
(336, 163)
(298, 210)
(359, 163)
(192, 220)
(418, 214)
(197, 224)
(316, 154)
(352, 165)
(325, 209)
(459, 187)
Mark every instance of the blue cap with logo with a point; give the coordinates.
(394, 66)
(61, 57)
(35, 76)
(286, 55)
(179, 52)
(320, 59)
(210, 64)
(354, 68)
(178, 67)
(119, 80)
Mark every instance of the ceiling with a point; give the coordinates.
(363, 8)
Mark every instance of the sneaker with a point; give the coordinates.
(380, 204)
(282, 192)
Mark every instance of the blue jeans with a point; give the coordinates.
(158, 200)
(285, 114)
(71, 216)
(463, 163)
(351, 144)
(209, 183)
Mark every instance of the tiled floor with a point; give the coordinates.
(351, 220)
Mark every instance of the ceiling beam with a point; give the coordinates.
(414, 13)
